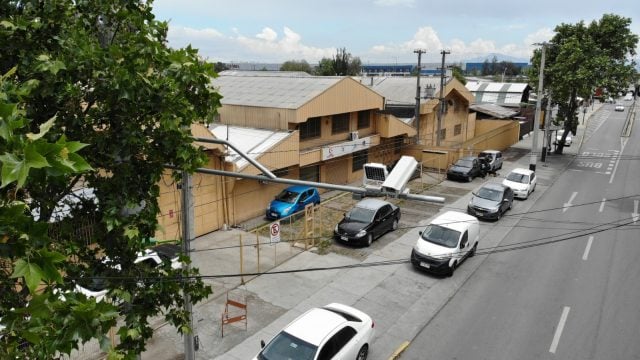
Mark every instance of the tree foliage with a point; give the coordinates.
(342, 64)
(580, 58)
(293, 65)
(91, 97)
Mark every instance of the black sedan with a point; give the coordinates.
(368, 220)
(490, 201)
(465, 169)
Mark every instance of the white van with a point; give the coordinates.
(446, 242)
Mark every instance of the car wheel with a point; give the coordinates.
(499, 215)
(469, 178)
(369, 239)
(395, 224)
(452, 269)
(534, 188)
(472, 253)
(362, 354)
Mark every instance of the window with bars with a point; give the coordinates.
(359, 159)
(339, 123)
(310, 128)
(443, 134)
(364, 119)
(457, 130)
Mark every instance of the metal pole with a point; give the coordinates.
(187, 236)
(441, 100)
(417, 111)
(546, 141)
(536, 119)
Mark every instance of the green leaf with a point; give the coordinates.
(32, 274)
(33, 159)
(44, 128)
(79, 164)
(13, 169)
(131, 232)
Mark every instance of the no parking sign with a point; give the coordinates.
(274, 231)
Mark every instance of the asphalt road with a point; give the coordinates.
(571, 290)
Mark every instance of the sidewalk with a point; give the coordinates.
(400, 299)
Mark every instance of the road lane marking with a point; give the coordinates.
(623, 143)
(568, 204)
(556, 336)
(586, 250)
(604, 200)
(635, 214)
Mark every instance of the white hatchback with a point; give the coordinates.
(521, 181)
(334, 331)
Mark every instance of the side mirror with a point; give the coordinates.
(420, 233)
(262, 344)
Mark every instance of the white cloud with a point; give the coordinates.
(544, 34)
(267, 34)
(425, 38)
(287, 48)
(407, 3)
(179, 33)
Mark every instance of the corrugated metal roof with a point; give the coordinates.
(272, 91)
(497, 93)
(253, 142)
(494, 110)
(402, 90)
(264, 73)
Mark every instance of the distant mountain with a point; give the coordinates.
(500, 57)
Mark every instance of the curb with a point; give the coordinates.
(396, 354)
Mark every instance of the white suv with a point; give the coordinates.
(521, 181)
(334, 331)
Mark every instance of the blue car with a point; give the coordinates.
(292, 200)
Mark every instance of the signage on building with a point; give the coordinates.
(344, 148)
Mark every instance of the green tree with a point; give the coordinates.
(99, 72)
(293, 65)
(457, 73)
(580, 58)
(342, 64)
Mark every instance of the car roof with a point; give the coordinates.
(455, 220)
(494, 186)
(314, 325)
(490, 152)
(299, 188)
(522, 171)
(373, 204)
(168, 250)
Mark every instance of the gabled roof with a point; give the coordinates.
(402, 90)
(254, 142)
(497, 93)
(264, 73)
(283, 92)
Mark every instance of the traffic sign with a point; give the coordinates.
(274, 231)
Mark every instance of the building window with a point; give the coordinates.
(310, 173)
(281, 172)
(364, 119)
(340, 123)
(457, 130)
(443, 134)
(359, 159)
(310, 129)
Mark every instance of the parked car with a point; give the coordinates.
(465, 168)
(493, 158)
(292, 200)
(446, 242)
(334, 331)
(619, 107)
(521, 181)
(490, 201)
(567, 141)
(368, 220)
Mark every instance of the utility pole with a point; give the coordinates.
(536, 119)
(187, 236)
(441, 100)
(546, 142)
(417, 112)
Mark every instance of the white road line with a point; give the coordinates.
(586, 250)
(568, 204)
(623, 143)
(604, 200)
(556, 336)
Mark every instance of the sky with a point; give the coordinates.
(376, 31)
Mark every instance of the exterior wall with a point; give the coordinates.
(257, 117)
(388, 126)
(326, 137)
(284, 154)
(208, 203)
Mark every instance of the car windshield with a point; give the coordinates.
(287, 346)
(519, 178)
(486, 155)
(361, 215)
(489, 194)
(441, 236)
(287, 196)
(93, 284)
(464, 163)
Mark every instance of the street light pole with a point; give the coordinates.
(536, 119)
(187, 236)
(417, 111)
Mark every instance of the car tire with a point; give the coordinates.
(395, 224)
(499, 215)
(472, 253)
(369, 239)
(469, 178)
(452, 269)
(363, 352)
